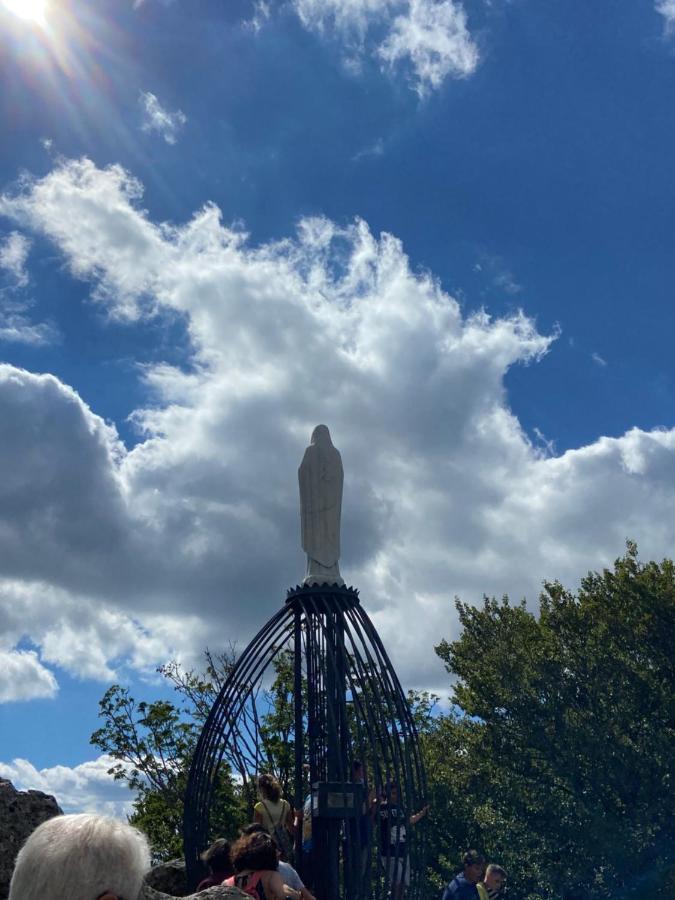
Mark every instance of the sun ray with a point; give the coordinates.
(29, 10)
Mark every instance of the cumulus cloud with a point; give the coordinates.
(115, 556)
(23, 677)
(429, 38)
(156, 118)
(83, 788)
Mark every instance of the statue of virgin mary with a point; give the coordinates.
(321, 478)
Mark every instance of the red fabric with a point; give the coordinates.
(249, 884)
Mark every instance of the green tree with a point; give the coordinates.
(152, 745)
(560, 759)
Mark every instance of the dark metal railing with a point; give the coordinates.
(348, 705)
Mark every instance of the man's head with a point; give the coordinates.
(495, 877)
(391, 792)
(217, 857)
(81, 857)
(474, 866)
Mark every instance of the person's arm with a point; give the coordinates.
(420, 815)
(275, 889)
(306, 895)
(372, 805)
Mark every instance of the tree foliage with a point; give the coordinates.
(559, 758)
(556, 758)
(152, 745)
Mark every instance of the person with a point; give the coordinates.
(493, 883)
(81, 857)
(255, 862)
(365, 821)
(394, 840)
(463, 885)
(217, 858)
(275, 814)
(288, 874)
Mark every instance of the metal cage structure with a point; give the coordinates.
(348, 705)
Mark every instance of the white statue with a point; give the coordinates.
(321, 477)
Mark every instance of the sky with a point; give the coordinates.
(443, 229)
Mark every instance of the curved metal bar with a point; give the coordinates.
(353, 708)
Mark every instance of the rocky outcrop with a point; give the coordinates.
(169, 878)
(20, 814)
(215, 893)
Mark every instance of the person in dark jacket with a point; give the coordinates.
(463, 885)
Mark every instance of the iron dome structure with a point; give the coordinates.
(348, 705)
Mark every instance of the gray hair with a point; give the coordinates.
(80, 857)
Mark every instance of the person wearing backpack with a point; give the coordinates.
(255, 861)
(275, 814)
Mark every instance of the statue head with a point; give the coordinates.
(321, 436)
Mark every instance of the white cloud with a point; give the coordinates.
(666, 8)
(429, 37)
(156, 118)
(15, 325)
(13, 255)
(261, 15)
(432, 35)
(374, 150)
(83, 788)
(598, 360)
(23, 677)
(113, 557)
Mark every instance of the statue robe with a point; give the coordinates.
(321, 478)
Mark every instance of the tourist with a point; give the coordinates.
(217, 858)
(365, 820)
(288, 874)
(394, 840)
(463, 885)
(255, 861)
(80, 857)
(493, 883)
(275, 814)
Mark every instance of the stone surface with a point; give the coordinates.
(214, 893)
(20, 814)
(320, 478)
(169, 878)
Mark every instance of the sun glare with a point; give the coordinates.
(30, 10)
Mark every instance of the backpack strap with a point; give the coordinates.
(281, 818)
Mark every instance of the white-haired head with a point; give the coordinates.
(81, 857)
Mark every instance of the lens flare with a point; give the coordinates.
(30, 10)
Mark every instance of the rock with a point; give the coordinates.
(20, 814)
(215, 893)
(169, 878)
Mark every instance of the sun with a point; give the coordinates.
(30, 10)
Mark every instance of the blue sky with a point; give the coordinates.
(443, 229)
